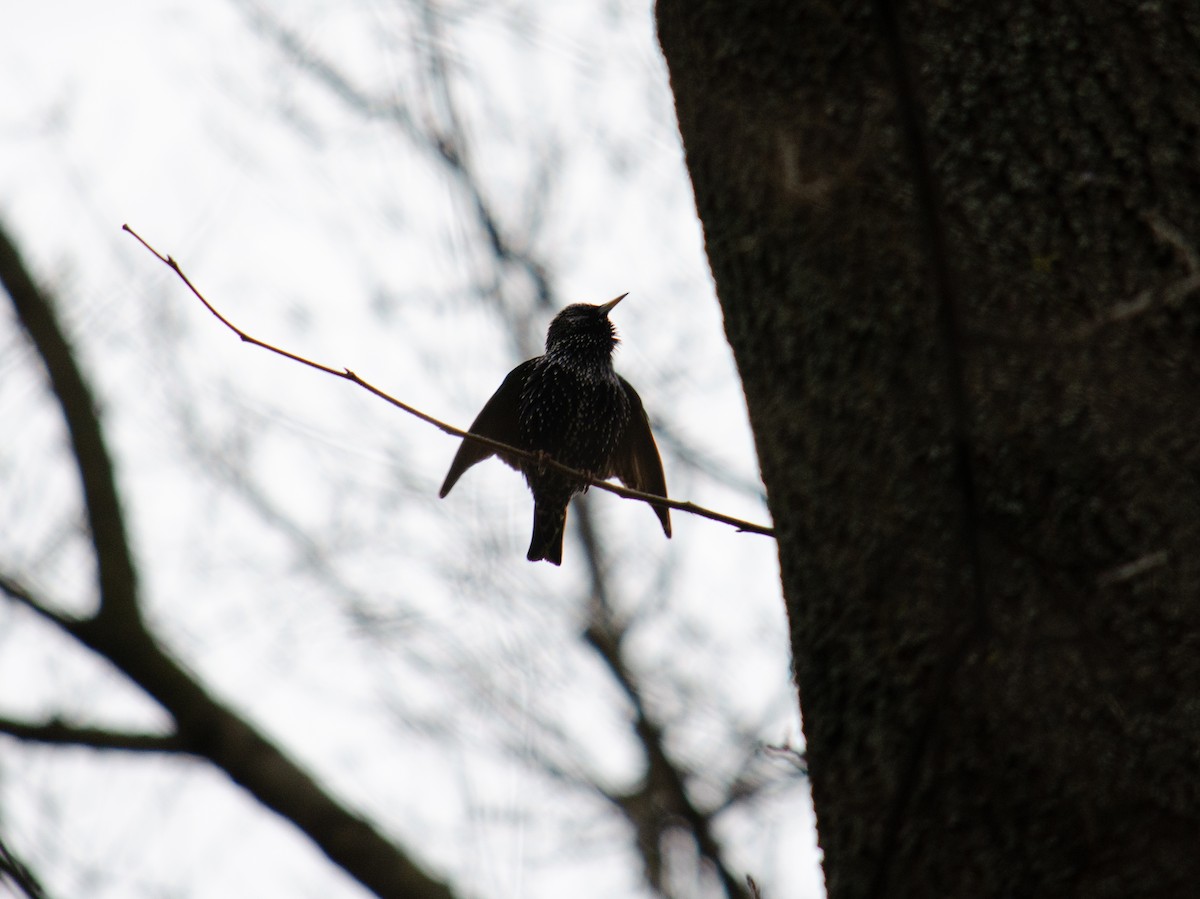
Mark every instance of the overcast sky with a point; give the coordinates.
(292, 547)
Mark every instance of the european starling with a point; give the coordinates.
(572, 406)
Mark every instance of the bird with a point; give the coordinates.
(568, 404)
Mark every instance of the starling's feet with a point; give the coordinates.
(571, 403)
(540, 458)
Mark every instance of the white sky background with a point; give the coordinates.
(400, 646)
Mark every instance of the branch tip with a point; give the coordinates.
(496, 445)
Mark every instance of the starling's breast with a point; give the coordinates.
(574, 413)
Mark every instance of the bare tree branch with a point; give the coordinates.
(23, 595)
(508, 450)
(204, 725)
(114, 559)
(59, 733)
(447, 144)
(16, 871)
(661, 802)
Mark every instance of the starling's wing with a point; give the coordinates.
(635, 462)
(499, 419)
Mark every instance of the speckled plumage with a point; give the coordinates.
(570, 404)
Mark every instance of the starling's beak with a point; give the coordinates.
(607, 307)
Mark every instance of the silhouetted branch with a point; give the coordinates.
(446, 143)
(205, 726)
(23, 595)
(114, 559)
(348, 375)
(661, 802)
(16, 871)
(59, 733)
(798, 758)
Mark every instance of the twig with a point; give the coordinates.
(508, 450)
(797, 758)
(57, 732)
(12, 868)
(20, 593)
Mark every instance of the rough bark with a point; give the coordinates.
(957, 257)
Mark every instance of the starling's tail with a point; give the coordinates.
(548, 523)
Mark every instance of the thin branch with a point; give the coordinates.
(21, 594)
(797, 758)
(448, 145)
(59, 733)
(12, 868)
(661, 802)
(210, 729)
(116, 575)
(508, 450)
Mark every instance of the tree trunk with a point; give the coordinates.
(957, 257)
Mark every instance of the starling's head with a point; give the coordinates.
(583, 331)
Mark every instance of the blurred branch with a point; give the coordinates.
(716, 469)
(208, 729)
(661, 802)
(347, 375)
(21, 594)
(15, 870)
(59, 733)
(446, 143)
(797, 758)
(114, 559)
(205, 726)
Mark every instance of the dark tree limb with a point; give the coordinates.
(59, 733)
(114, 560)
(205, 726)
(14, 870)
(661, 802)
